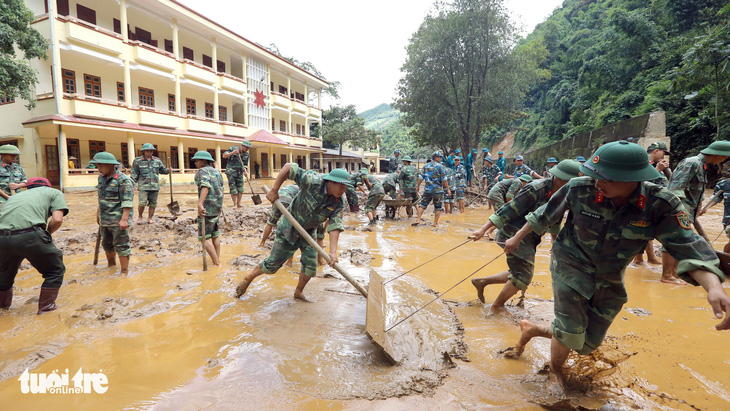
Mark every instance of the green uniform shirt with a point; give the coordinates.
(505, 190)
(374, 185)
(212, 179)
(145, 173)
(394, 164)
(408, 178)
(391, 179)
(234, 163)
(598, 241)
(688, 182)
(311, 207)
(115, 194)
(10, 173)
(31, 208)
(511, 217)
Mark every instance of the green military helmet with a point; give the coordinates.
(340, 175)
(9, 149)
(718, 148)
(246, 143)
(104, 157)
(363, 171)
(407, 158)
(566, 169)
(525, 178)
(202, 155)
(147, 146)
(437, 154)
(489, 159)
(620, 161)
(659, 145)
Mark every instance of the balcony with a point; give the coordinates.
(233, 84)
(83, 106)
(93, 36)
(205, 126)
(280, 100)
(192, 70)
(315, 112)
(154, 57)
(234, 129)
(300, 107)
(287, 138)
(158, 119)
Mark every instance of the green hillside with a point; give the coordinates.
(393, 134)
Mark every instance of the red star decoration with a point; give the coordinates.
(259, 98)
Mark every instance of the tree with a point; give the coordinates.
(463, 74)
(342, 125)
(17, 77)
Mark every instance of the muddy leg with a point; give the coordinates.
(529, 331)
(420, 213)
(480, 283)
(238, 200)
(639, 259)
(650, 256)
(267, 232)
(320, 259)
(669, 269)
(123, 265)
(140, 210)
(461, 206)
(727, 247)
(558, 355)
(436, 216)
(243, 285)
(111, 258)
(299, 292)
(290, 261)
(234, 197)
(507, 292)
(213, 247)
(150, 214)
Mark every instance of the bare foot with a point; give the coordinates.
(479, 285)
(242, 287)
(140, 221)
(217, 263)
(298, 295)
(556, 384)
(672, 280)
(498, 309)
(416, 223)
(123, 272)
(529, 330)
(261, 244)
(150, 221)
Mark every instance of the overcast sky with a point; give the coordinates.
(361, 45)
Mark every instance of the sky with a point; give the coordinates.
(362, 46)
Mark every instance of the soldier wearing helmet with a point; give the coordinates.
(236, 167)
(434, 175)
(12, 175)
(210, 203)
(146, 170)
(612, 212)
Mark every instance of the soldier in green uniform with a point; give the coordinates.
(612, 212)
(375, 194)
(434, 174)
(490, 174)
(394, 163)
(116, 199)
(146, 170)
(407, 181)
(319, 200)
(25, 233)
(210, 203)
(505, 190)
(459, 183)
(286, 195)
(389, 184)
(688, 183)
(236, 167)
(12, 175)
(656, 152)
(509, 219)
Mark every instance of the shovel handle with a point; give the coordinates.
(96, 247)
(316, 246)
(169, 176)
(202, 230)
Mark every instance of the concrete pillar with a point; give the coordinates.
(181, 155)
(176, 52)
(214, 53)
(127, 83)
(248, 89)
(321, 161)
(130, 148)
(123, 19)
(291, 155)
(175, 40)
(271, 162)
(218, 154)
(308, 161)
(63, 157)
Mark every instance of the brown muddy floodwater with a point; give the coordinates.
(169, 336)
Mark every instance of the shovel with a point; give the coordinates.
(375, 319)
(174, 207)
(255, 197)
(96, 247)
(205, 261)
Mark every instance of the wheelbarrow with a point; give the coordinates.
(375, 317)
(392, 206)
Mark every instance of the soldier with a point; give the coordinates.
(352, 200)
(656, 152)
(319, 200)
(210, 203)
(551, 162)
(501, 164)
(460, 177)
(449, 198)
(509, 219)
(580, 159)
(612, 214)
(469, 165)
(389, 184)
(434, 174)
(375, 194)
(25, 233)
(12, 175)
(236, 167)
(450, 159)
(506, 190)
(521, 168)
(394, 162)
(490, 174)
(116, 199)
(722, 193)
(408, 183)
(146, 170)
(286, 195)
(688, 183)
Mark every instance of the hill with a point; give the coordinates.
(393, 134)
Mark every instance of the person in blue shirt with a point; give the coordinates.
(469, 165)
(501, 163)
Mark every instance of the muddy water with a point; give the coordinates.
(169, 336)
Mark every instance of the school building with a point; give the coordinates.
(121, 73)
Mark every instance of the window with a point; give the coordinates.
(220, 66)
(96, 147)
(299, 96)
(144, 36)
(4, 99)
(272, 86)
(282, 126)
(209, 110)
(282, 90)
(191, 153)
(120, 91)
(125, 153)
(188, 54)
(146, 97)
(92, 86)
(299, 129)
(211, 151)
(283, 160)
(207, 61)
(171, 102)
(222, 113)
(173, 157)
(86, 14)
(190, 107)
(168, 46)
(117, 26)
(273, 125)
(62, 6)
(69, 81)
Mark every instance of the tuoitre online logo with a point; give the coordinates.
(55, 383)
